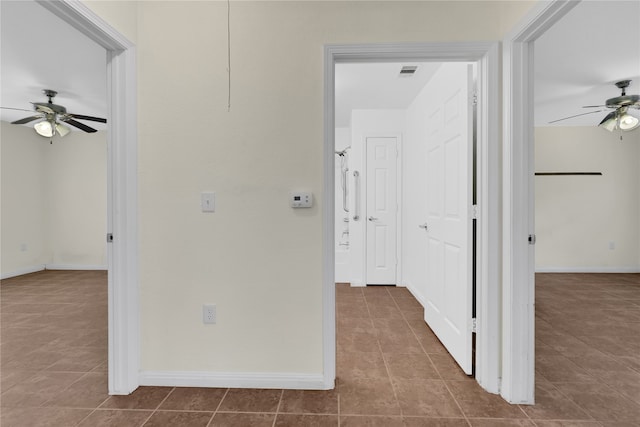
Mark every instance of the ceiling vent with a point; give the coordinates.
(408, 70)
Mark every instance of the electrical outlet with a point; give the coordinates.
(209, 314)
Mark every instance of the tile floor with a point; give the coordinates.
(392, 371)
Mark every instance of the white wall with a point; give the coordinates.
(53, 201)
(256, 258)
(579, 217)
(341, 229)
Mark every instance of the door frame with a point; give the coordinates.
(363, 196)
(486, 54)
(518, 324)
(122, 191)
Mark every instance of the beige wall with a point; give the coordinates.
(120, 14)
(256, 258)
(54, 200)
(23, 200)
(580, 218)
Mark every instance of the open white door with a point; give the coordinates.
(448, 296)
(382, 209)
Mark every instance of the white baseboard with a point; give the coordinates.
(587, 269)
(75, 267)
(22, 271)
(358, 284)
(233, 380)
(415, 294)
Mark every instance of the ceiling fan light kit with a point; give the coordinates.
(44, 129)
(53, 114)
(620, 117)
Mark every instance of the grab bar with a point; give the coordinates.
(356, 192)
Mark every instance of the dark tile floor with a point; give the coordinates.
(392, 371)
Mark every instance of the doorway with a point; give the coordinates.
(122, 251)
(382, 209)
(486, 56)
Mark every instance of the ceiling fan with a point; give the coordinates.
(619, 118)
(54, 116)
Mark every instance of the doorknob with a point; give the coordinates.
(372, 218)
(425, 226)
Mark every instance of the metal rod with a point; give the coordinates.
(356, 192)
(567, 173)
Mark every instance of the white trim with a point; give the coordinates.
(488, 223)
(23, 271)
(233, 380)
(518, 214)
(328, 227)
(489, 282)
(587, 269)
(75, 267)
(122, 187)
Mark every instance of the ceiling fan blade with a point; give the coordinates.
(94, 119)
(79, 125)
(17, 109)
(611, 115)
(577, 115)
(593, 106)
(26, 120)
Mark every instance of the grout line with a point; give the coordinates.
(278, 408)
(339, 413)
(464, 414)
(165, 398)
(148, 418)
(386, 367)
(434, 366)
(89, 414)
(218, 407)
(421, 346)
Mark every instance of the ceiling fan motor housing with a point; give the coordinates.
(623, 101)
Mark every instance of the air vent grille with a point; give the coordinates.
(408, 70)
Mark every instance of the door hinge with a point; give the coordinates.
(474, 212)
(474, 99)
(532, 239)
(474, 325)
(109, 237)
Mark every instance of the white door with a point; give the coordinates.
(381, 211)
(449, 201)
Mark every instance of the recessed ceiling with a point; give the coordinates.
(578, 60)
(377, 86)
(40, 51)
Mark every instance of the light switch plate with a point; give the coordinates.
(208, 201)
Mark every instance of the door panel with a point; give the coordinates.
(449, 198)
(381, 213)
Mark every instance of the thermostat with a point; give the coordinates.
(301, 199)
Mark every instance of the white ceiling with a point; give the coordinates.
(579, 59)
(377, 86)
(577, 62)
(40, 51)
